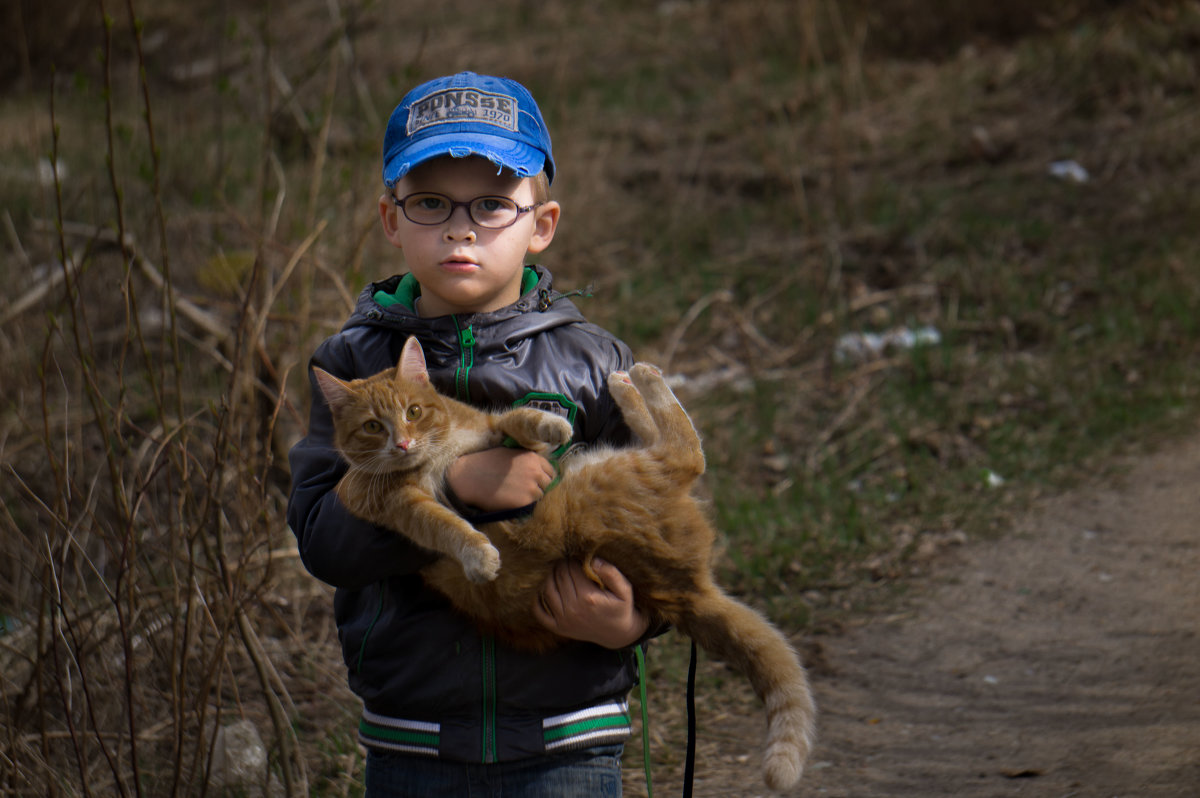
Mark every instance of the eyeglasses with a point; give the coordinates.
(490, 212)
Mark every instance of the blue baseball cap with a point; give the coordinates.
(467, 114)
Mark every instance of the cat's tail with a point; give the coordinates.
(734, 633)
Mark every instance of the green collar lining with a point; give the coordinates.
(408, 289)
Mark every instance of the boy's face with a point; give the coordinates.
(462, 266)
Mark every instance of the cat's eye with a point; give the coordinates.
(372, 427)
(414, 412)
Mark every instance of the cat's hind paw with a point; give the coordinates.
(652, 384)
(481, 563)
(633, 407)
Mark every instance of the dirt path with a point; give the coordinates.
(1061, 661)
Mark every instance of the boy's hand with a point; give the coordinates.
(500, 479)
(574, 606)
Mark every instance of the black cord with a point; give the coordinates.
(689, 764)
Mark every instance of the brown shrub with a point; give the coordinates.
(40, 35)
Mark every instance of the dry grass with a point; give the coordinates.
(189, 209)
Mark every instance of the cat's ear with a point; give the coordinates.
(335, 391)
(412, 362)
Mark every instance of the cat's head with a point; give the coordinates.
(391, 421)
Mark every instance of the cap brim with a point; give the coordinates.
(518, 157)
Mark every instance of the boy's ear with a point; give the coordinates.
(545, 221)
(389, 215)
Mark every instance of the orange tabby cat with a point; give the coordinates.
(632, 507)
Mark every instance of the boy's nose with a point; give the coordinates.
(460, 226)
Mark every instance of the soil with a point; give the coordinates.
(1061, 659)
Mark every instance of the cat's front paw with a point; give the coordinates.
(555, 430)
(536, 430)
(481, 563)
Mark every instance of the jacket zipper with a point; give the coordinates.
(466, 346)
(462, 390)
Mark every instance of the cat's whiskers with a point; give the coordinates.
(435, 440)
(377, 486)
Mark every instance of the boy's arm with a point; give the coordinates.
(335, 546)
(499, 479)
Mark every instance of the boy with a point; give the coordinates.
(467, 165)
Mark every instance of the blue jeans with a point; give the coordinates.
(587, 773)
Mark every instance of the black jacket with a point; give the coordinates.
(429, 683)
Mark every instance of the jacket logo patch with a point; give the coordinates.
(554, 403)
(463, 105)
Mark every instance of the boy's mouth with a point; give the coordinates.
(459, 264)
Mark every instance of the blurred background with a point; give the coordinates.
(908, 264)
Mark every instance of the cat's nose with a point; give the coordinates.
(403, 444)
